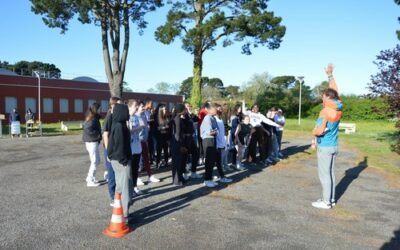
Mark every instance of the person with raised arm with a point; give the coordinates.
(257, 136)
(326, 133)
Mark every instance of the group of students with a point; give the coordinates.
(135, 135)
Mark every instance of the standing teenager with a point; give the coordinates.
(109, 174)
(119, 152)
(144, 135)
(326, 132)
(258, 134)
(162, 133)
(92, 137)
(209, 132)
(179, 144)
(136, 125)
(222, 146)
(194, 149)
(242, 140)
(235, 120)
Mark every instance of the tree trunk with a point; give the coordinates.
(198, 56)
(197, 75)
(111, 30)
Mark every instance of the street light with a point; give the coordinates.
(301, 80)
(39, 102)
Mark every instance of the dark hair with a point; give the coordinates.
(273, 109)
(255, 104)
(161, 117)
(92, 112)
(209, 105)
(236, 108)
(331, 93)
(206, 105)
(113, 101)
(179, 108)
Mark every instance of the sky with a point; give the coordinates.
(348, 33)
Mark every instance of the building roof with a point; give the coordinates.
(7, 72)
(84, 79)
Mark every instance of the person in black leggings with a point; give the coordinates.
(162, 133)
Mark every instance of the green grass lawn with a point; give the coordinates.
(48, 129)
(372, 139)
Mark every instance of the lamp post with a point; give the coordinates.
(39, 102)
(301, 80)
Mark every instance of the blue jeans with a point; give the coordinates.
(274, 148)
(111, 176)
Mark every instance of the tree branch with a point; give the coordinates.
(213, 41)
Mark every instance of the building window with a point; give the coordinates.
(104, 106)
(90, 102)
(47, 105)
(64, 108)
(30, 103)
(11, 103)
(78, 105)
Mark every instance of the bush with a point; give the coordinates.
(358, 108)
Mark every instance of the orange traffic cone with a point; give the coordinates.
(117, 227)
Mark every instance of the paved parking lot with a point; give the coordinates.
(45, 204)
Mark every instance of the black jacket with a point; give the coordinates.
(92, 130)
(119, 143)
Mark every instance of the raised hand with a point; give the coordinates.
(329, 69)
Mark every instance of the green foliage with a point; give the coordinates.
(200, 24)
(319, 89)
(25, 68)
(113, 18)
(241, 21)
(357, 108)
(281, 92)
(186, 86)
(232, 91)
(164, 88)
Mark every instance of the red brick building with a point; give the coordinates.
(63, 100)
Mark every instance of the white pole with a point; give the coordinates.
(300, 79)
(39, 103)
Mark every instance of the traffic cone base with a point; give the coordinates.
(118, 227)
(116, 231)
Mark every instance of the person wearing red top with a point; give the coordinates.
(202, 113)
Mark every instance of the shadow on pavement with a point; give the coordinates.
(394, 242)
(160, 209)
(292, 150)
(350, 175)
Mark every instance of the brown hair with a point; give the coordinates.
(331, 93)
(92, 111)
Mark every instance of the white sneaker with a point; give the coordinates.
(195, 175)
(139, 182)
(185, 176)
(105, 175)
(137, 191)
(333, 203)
(153, 179)
(92, 184)
(239, 166)
(321, 204)
(210, 184)
(112, 203)
(225, 180)
(188, 166)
